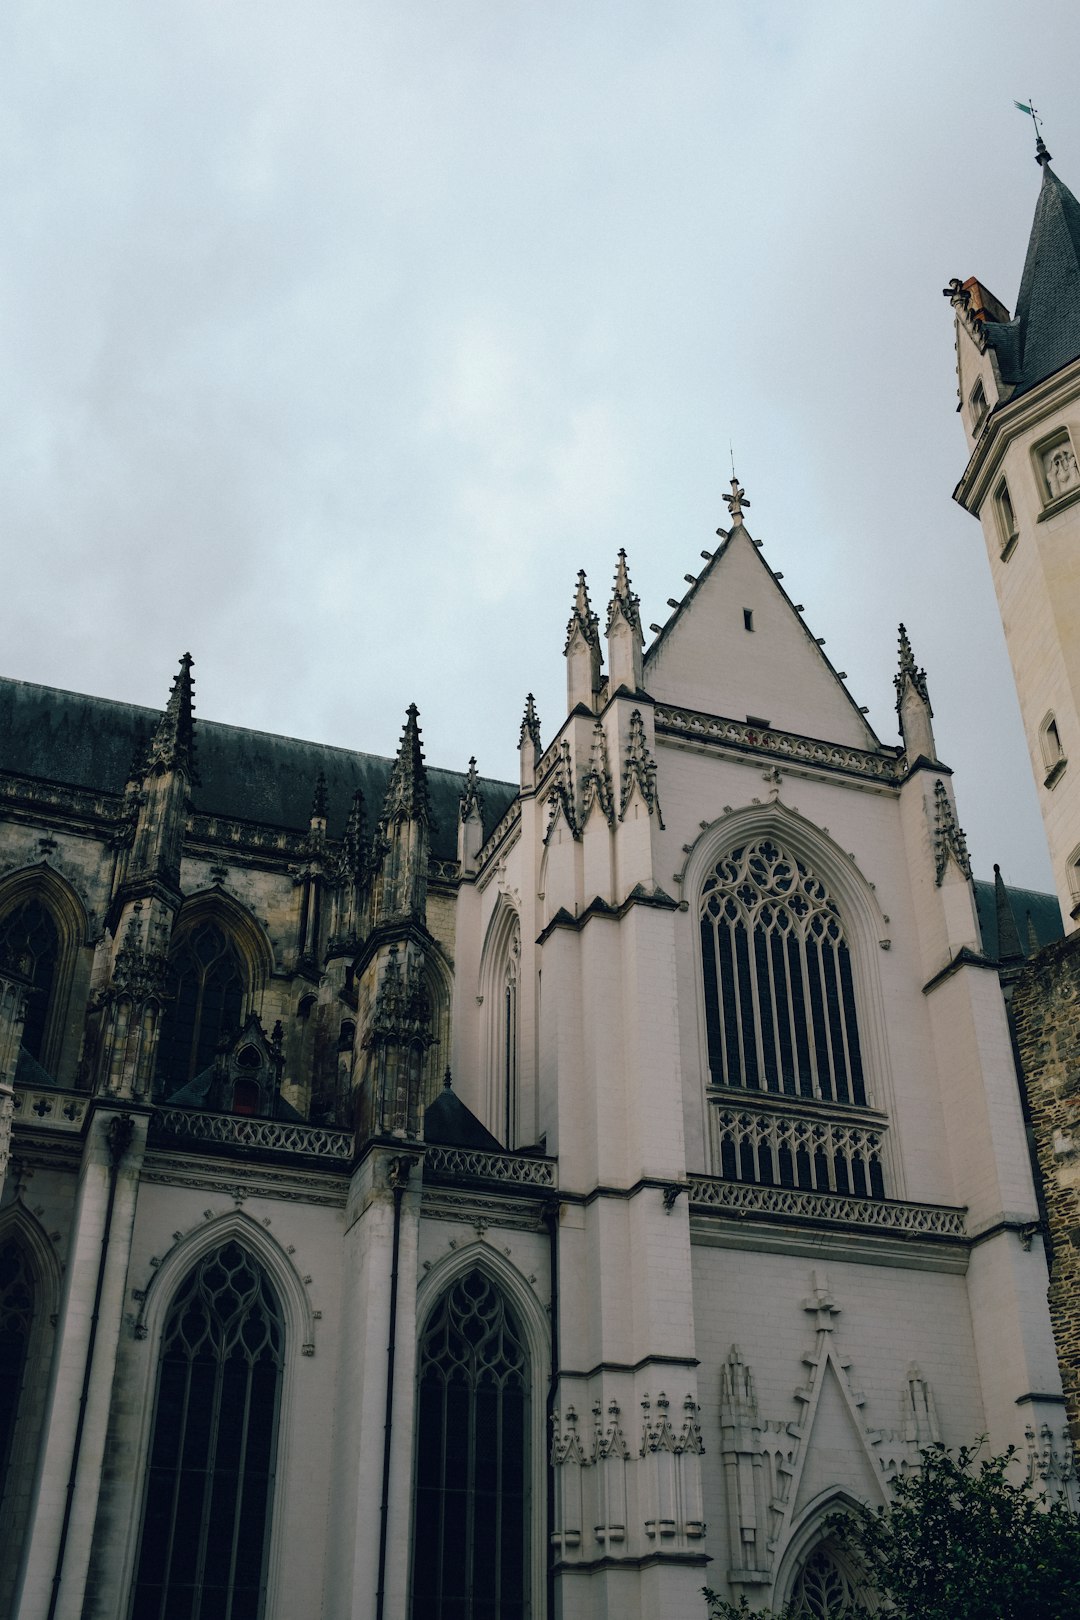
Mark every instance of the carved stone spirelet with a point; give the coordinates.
(949, 837)
(596, 787)
(639, 771)
(562, 797)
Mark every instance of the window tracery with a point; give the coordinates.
(822, 1590)
(208, 983)
(206, 1517)
(779, 997)
(470, 1541)
(30, 939)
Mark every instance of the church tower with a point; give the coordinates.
(1019, 388)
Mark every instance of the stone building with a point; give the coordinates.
(1019, 380)
(438, 1197)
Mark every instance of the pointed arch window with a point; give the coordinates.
(210, 1477)
(30, 939)
(508, 1035)
(208, 984)
(779, 996)
(470, 1535)
(16, 1321)
(823, 1589)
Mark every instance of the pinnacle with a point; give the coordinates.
(909, 674)
(582, 617)
(1009, 946)
(623, 599)
(173, 745)
(530, 724)
(407, 791)
(318, 802)
(471, 801)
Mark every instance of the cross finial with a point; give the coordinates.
(1042, 156)
(736, 502)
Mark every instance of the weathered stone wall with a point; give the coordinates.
(1046, 1012)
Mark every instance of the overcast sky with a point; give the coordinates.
(337, 336)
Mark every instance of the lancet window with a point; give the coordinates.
(206, 1518)
(208, 984)
(779, 998)
(30, 941)
(508, 1036)
(470, 1538)
(16, 1321)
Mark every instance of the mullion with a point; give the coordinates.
(238, 1503)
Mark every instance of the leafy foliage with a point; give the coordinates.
(961, 1541)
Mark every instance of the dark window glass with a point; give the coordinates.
(780, 1017)
(470, 1536)
(206, 1520)
(29, 939)
(16, 1317)
(207, 982)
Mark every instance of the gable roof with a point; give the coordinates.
(1044, 333)
(89, 742)
(702, 660)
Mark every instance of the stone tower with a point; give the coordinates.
(1019, 387)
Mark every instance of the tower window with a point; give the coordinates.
(978, 406)
(208, 983)
(1006, 518)
(748, 618)
(1052, 752)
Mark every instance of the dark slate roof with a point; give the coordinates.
(89, 742)
(1043, 908)
(448, 1123)
(1044, 333)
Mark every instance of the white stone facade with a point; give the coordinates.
(736, 1304)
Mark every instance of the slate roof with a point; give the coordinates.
(1044, 333)
(449, 1123)
(89, 742)
(1043, 908)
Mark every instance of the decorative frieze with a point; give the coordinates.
(472, 1164)
(707, 728)
(192, 1126)
(739, 1198)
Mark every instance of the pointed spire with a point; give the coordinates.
(909, 674)
(472, 803)
(173, 745)
(949, 840)
(1033, 944)
(1008, 937)
(639, 770)
(407, 795)
(736, 502)
(596, 786)
(623, 600)
(582, 651)
(530, 725)
(582, 618)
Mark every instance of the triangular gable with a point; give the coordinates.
(707, 659)
(835, 1449)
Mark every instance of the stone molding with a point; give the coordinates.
(741, 1199)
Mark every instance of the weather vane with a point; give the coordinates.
(1041, 154)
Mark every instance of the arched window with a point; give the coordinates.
(29, 938)
(779, 999)
(508, 1035)
(470, 1536)
(823, 1589)
(16, 1320)
(208, 984)
(206, 1518)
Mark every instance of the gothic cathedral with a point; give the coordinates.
(444, 1198)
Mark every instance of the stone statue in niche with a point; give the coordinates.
(1060, 469)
